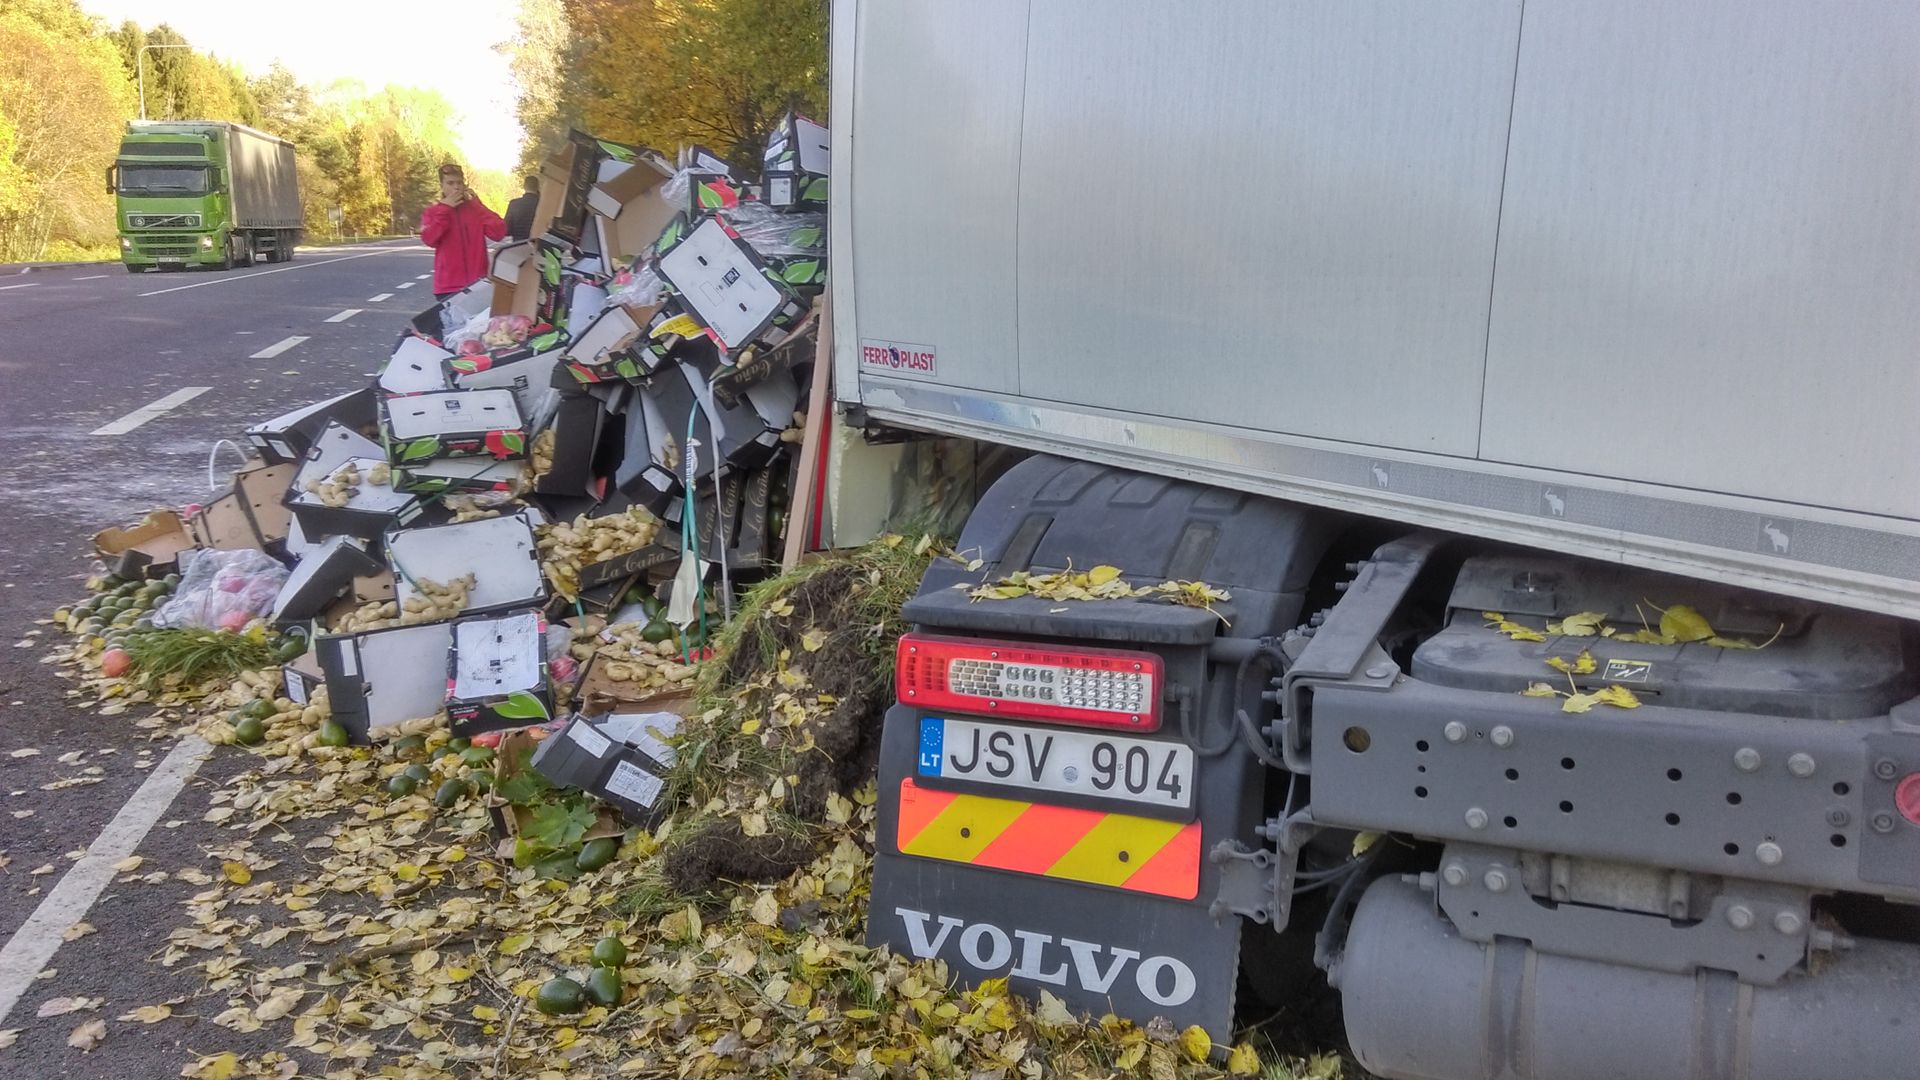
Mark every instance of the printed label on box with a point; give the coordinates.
(899, 358)
(634, 784)
(590, 740)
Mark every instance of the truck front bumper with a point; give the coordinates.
(172, 249)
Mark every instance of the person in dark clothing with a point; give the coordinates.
(520, 211)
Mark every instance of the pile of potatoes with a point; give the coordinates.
(625, 654)
(340, 488)
(432, 602)
(567, 546)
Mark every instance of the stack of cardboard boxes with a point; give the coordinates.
(645, 348)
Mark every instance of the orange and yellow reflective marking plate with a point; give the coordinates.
(1127, 852)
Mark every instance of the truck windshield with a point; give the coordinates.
(163, 179)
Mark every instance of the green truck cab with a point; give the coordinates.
(204, 193)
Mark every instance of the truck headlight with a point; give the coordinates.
(206, 243)
(126, 244)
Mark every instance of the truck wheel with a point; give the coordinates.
(135, 269)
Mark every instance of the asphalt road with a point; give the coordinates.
(114, 390)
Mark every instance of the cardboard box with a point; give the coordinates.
(417, 365)
(302, 676)
(499, 553)
(512, 757)
(286, 438)
(747, 433)
(497, 674)
(252, 514)
(368, 513)
(149, 549)
(321, 578)
(634, 208)
(729, 382)
(798, 158)
(461, 476)
(606, 349)
(710, 193)
(526, 280)
(632, 564)
(455, 311)
(579, 450)
(375, 586)
(568, 177)
(725, 284)
(598, 694)
(622, 757)
(453, 423)
(378, 678)
(529, 377)
(753, 539)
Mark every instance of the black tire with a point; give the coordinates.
(135, 269)
(293, 240)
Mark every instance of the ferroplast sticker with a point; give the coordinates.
(899, 358)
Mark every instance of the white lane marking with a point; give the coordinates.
(27, 952)
(377, 299)
(229, 280)
(90, 277)
(404, 285)
(28, 285)
(150, 410)
(345, 315)
(278, 347)
(421, 277)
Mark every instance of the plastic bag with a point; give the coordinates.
(472, 331)
(637, 287)
(222, 590)
(772, 232)
(506, 331)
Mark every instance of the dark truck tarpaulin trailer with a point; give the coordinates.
(1501, 361)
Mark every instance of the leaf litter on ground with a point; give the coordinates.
(418, 950)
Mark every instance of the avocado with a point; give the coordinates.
(290, 648)
(249, 731)
(259, 710)
(474, 756)
(480, 779)
(560, 995)
(332, 734)
(658, 630)
(450, 794)
(459, 742)
(603, 986)
(419, 774)
(596, 854)
(609, 952)
(402, 786)
(407, 744)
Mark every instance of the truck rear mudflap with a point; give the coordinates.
(1103, 909)
(1057, 769)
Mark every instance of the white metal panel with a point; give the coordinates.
(933, 181)
(1276, 214)
(1709, 263)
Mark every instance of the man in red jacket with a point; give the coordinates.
(457, 228)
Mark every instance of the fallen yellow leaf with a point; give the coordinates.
(237, 872)
(1196, 1043)
(1244, 1061)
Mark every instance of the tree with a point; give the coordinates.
(667, 72)
(65, 97)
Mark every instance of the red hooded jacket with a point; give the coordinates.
(458, 236)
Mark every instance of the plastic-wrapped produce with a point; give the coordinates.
(222, 590)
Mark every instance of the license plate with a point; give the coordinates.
(1154, 772)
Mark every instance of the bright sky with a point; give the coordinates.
(447, 47)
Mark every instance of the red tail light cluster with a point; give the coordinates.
(1104, 688)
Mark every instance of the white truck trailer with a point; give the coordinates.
(1500, 359)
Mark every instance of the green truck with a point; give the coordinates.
(204, 193)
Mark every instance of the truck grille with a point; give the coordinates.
(163, 221)
(165, 247)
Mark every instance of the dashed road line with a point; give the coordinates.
(421, 277)
(90, 277)
(27, 952)
(345, 315)
(278, 347)
(404, 285)
(377, 299)
(28, 285)
(150, 410)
